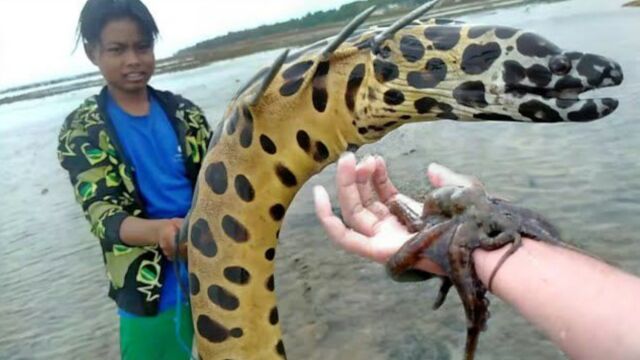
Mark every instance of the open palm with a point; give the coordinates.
(369, 229)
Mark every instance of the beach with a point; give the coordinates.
(333, 305)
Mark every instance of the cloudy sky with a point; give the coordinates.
(37, 36)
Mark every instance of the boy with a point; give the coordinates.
(133, 154)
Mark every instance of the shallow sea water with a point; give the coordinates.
(584, 177)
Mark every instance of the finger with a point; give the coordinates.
(381, 182)
(364, 180)
(350, 240)
(364, 171)
(353, 211)
(440, 176)
(167, 250)
(177, 222)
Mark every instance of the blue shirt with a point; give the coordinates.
(152, 147)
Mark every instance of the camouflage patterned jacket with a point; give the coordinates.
(103, 182)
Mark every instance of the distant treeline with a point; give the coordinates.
(345, 12)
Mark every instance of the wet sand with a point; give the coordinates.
(333, 305)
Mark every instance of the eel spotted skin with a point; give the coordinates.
(299, 114)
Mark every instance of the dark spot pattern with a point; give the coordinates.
(565, 103)
(287, 178)
(202, 238)
(393, 97)
(530, 44)
(493, 116)
(477, 31)
(236, 332)
(246, 136)
(501, 32)
(385, 71)
(568, 82)
(232, 122)
(353, 84)
(273, 316)
(434, 73)
(194, 284)
(443, 21)
(268, 145)
(319, 94)
(405, 117)
(291, 87)
(609, 105)
(270, 284)
(216, 177)
(223, 298)
(424, 105)
(352, 148)
(477, 59)
(244, 189)
(384, 52)
(573, 55)
(471, 94)
(430, 105)
(297, 70)
(322, 152)
(364, 43)
(539, 75)
(504, 32)
(303, 140)
(538, 111)
(237, 275)
(234, 229)
(277, 212)
(443, 37)
(588, 112)
(294, 77)
(560, 65)
(270, 254)
(447, 115)
(596, 69)
(514, 73)
(211, 330)
(411, 48)
(280, 349)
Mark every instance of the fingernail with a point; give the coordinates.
(317, 191)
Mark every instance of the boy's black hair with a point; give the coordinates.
(97, 13)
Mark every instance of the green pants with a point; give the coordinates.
(155, 337)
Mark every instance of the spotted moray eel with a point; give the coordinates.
(298, 115)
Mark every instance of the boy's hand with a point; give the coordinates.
(167, 231)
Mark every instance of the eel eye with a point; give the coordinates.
(560, 65)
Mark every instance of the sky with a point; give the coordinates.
(37, 37)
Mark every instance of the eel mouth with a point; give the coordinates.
(564, 104)
(540, 104)
(572, 93)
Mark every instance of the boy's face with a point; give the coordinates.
(124, 55)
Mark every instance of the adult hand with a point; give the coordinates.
(369, 229)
